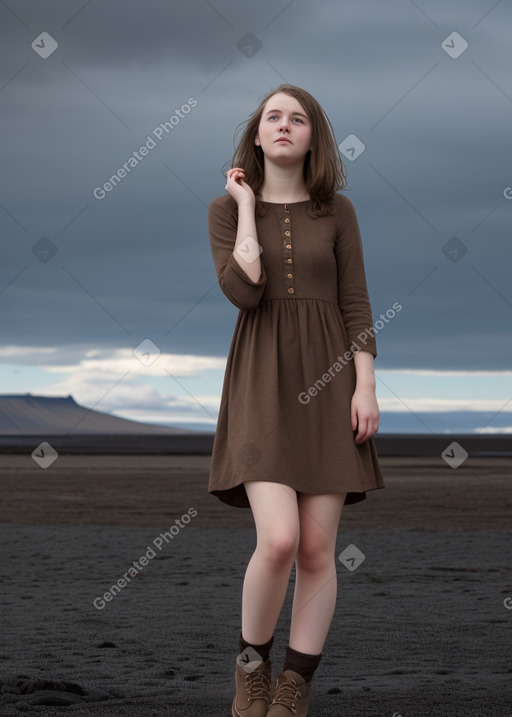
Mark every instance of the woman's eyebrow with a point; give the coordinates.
(293, 113)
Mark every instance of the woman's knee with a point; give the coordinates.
(275, 511)
(319, 519)
(280, 547)
(315, 553)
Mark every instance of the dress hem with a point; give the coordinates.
(236, 496)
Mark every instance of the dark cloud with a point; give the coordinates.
(137, 263)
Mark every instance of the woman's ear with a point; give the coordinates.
(257, 141)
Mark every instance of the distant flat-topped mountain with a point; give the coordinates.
(26, 421)
(24, 414)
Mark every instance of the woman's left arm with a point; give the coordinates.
(364, 409)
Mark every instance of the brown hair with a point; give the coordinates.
(324, 172)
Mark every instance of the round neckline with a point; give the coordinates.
(282, 204)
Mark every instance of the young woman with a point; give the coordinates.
(298, 407)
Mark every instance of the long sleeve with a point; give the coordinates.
(234, 282)
(353, 296)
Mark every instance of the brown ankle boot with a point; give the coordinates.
(253, 688)
(291, 696)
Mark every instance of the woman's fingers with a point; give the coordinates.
(236, 175)
(364, 423)
(366, 429)
(237, 187)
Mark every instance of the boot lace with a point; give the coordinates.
(288, 694)
(257, 685)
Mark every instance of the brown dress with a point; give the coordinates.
(285, 407)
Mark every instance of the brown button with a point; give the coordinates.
(288, 246)
(289, 261)
(289, 276)
(287, 233)
(287, 221)
(291, 290)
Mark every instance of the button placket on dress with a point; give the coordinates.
(289, 278)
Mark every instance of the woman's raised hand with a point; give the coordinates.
(238, 187)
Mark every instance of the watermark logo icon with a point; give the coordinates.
(351, 147)
(249, 44)
(45, 45)
(249, 659)
(351, 557)
(454, 454)
(249, 249)
(454, 249)
(44, 454)
(44, 249)
(454, 45)
(508, 603)
(147, 352)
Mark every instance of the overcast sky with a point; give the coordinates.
(88, 274)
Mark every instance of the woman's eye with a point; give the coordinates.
(298, 119)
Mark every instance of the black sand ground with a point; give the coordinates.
(421, 626)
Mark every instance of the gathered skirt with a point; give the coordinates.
(285, 406)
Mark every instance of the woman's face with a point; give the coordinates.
(284, 131)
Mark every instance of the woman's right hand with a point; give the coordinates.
(238, 187)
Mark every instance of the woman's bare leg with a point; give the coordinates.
(276, 516)
(316, 577)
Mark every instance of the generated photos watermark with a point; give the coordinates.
(45, 45)
(249, 659)
(138, 566)
(44, 455)
(249, 249)
(160, 132)
(305, 397)
(351, 557)
(454, 455)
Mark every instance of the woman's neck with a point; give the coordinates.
(283, 184)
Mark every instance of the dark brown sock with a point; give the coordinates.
(302, 663)
(262, 650)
